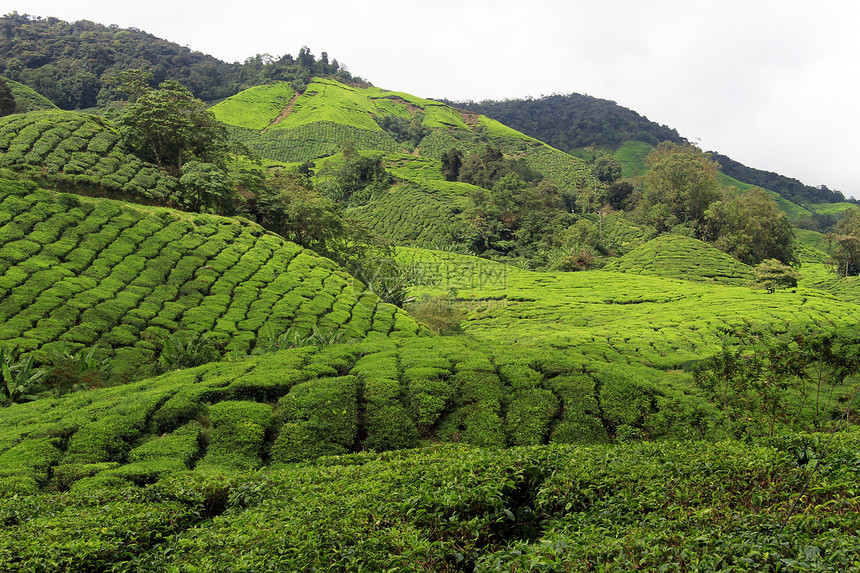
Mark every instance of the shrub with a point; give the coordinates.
(238, 431)
(529, 415)
(321, 418)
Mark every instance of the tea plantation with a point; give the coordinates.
(279, 125)
(82, 273)
(651, 412)
(653, 506)
(77, 151)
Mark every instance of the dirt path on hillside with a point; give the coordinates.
(470, 118)
(284, 112)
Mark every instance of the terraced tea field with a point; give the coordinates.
(79, 151)
(605, 317)
(684, 258)
(77, 273)
(277, 125)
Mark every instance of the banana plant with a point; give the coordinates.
(18, 378)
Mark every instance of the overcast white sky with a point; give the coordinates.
(772, 84)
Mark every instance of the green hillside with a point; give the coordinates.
(631, 155)
(542, 370)
(830, 208)
(82, 273)
(27, 99)
(313, 124)
(256, 108)
(636, 327)
(422, 209)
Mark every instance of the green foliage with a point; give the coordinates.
(571, 508)
(84, 273)
(772, 275)
(255, 108)
(760, 385)
(79, 152)
(682, 257)
(428, 214)
(185, 350)
(679, 186)
(79, 371)
(205, 188)
(73, 63)
(168, 126)
(789, 189)
(19, 378)
(238, 432)
(438, 313)
(572, 121)
(357, 179)
(846, 253)
(320, 418)
(749, 227)
(26, 99)
(7, 99)
(321, 369)
(289, 204)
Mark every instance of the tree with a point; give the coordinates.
(17, 378)
(288, 204)
(451, 160)
(679, 186)
(771, 275)
(133, 83)
(168, 126)
(750, 227)
(358, 177)
(206, 188)
(759, 382)
(605, 167)
(846, 254)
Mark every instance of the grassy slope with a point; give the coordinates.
(620, 318)
(256, 108)
(830, 208)
(422, 209)
(26, 99)
(78, 273)
(631, 155)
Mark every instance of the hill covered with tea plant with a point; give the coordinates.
(325, 325)
(82, 273)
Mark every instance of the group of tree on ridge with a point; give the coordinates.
(67, 62)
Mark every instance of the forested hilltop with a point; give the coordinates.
(571, 122)
(67, 62)
(791, 189)
(321, 325)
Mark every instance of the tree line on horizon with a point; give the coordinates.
(67, 62)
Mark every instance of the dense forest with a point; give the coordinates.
(791, 189)
(67, 62)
